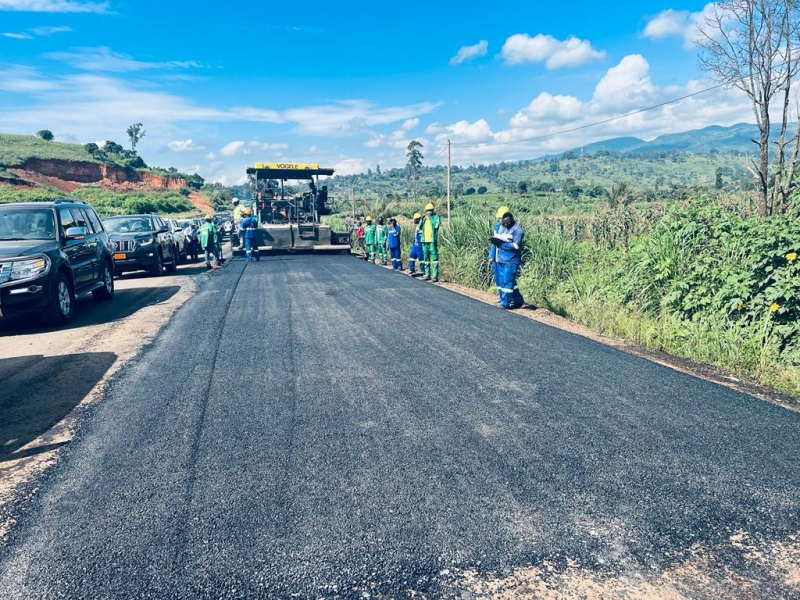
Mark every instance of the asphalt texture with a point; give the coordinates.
(318, 427)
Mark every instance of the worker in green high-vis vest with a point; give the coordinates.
(429, 229)
(383, 237)
(369, 237)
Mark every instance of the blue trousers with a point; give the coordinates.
(510, 296)
(250, 248)
(414, 255)
(496, 271)
(397, 262)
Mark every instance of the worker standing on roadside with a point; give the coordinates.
(508, 241)
(393, 243)
(492, 249)
(208, 233)
(237, 219)
(360, 245)
(370, 234)
(383, 238)
(415, 254)
(429, 226)
(247, 231)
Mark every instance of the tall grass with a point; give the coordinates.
(667, 288)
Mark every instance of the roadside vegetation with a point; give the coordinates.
(106, 202)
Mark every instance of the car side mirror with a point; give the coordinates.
(164, 230)
(76, 233)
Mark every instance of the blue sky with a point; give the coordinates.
(219, 86)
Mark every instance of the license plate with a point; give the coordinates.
(120, 256)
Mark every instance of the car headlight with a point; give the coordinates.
(146, 241)
(28, 269)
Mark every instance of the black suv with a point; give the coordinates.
(142, 242)
(50, 253)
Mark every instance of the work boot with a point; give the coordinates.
(428, 278)
(435, 280)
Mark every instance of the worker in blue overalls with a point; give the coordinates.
(508, 241)
(247, 231)
(393, 243)
(492, 249)
(415, 254)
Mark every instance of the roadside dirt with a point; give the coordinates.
(49, 374)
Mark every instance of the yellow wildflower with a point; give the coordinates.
(740, 306)
(774, 306)
(791, 256)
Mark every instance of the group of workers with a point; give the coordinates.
(380, 241)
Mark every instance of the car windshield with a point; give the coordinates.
(127, 224)
(18, 223)
(183, 223)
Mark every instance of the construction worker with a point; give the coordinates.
(360, 245)
(416, 248)
(370, 233)
(508, 241)
(429, 226)
(393, 243)
(247, 231)
(383, 237)
(237, 218)
(492, 249)
(208, 233)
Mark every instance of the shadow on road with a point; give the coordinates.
(90, 312)
(38, 392)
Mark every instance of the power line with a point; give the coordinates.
(563, 131)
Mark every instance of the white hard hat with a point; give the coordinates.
(235, 200)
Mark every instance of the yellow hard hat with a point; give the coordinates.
(368, 219)
(429, 206)
(247, 210)
(417, 216)
(208, 217)
(501, 211)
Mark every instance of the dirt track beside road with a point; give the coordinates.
(47, 373)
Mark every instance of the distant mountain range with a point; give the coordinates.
(714, 137)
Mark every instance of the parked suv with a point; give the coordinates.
(51, 253)
(142, 242)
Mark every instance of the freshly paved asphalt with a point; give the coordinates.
(314, 426)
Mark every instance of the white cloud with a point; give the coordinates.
(553, 123)
(409, 124)
(54, 6)
(18, 36)
(469, 52)
(48, 31)
(626, 86)
(548, 108)
(184, 145)
(464, 131)
(351, 116)
(106, 60)
(668, 23)
(234, 149)
(679, 23)
(351, 166)
(573, 52)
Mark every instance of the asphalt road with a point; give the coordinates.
(314, 426)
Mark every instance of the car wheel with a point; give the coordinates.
(173, 265)
(107, 291)
(62, 302)
(158, 267)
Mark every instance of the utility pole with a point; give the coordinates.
(448, 182)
